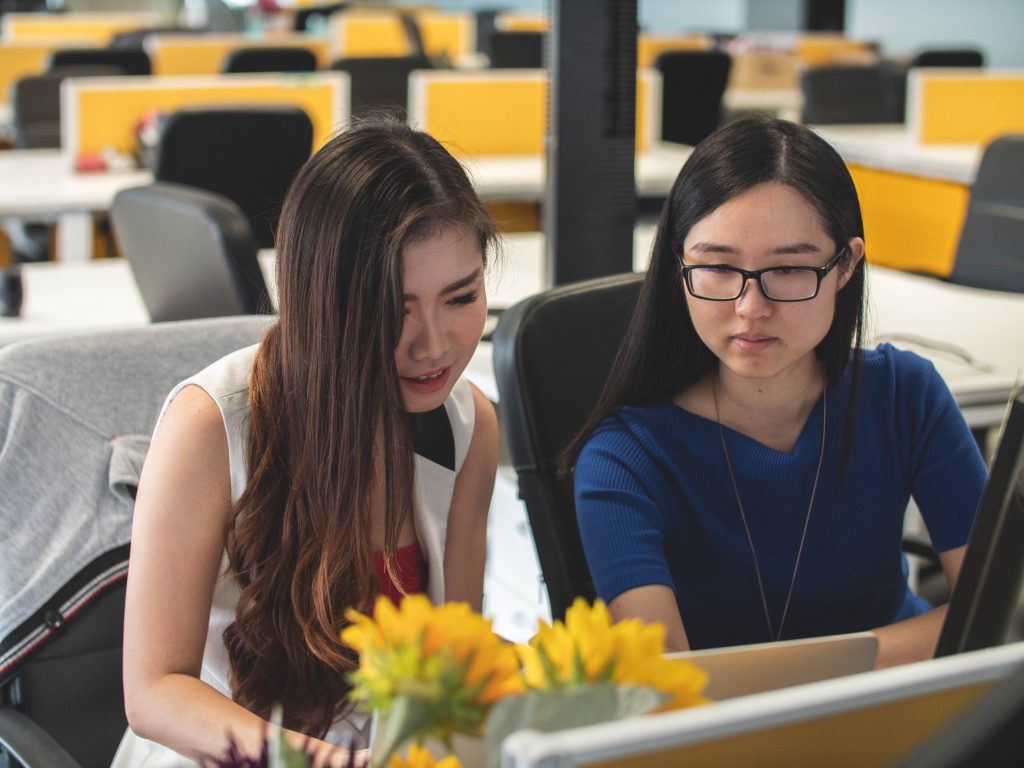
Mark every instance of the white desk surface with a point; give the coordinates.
(893, 148)
(987, 325)
(40, 183)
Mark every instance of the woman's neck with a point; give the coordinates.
(772, 412)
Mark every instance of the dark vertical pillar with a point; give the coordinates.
(590, 200)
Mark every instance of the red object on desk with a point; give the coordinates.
(90, 162)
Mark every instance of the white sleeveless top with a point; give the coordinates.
(442, 441)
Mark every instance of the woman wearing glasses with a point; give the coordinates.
(746, 473)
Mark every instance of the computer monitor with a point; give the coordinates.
(985, 607)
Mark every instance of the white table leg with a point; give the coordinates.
(74, 237)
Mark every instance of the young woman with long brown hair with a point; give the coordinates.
(341, 458)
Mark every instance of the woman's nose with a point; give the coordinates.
(428, 341)
(752, 302)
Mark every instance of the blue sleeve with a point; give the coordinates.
(946, 467)
(620, 521)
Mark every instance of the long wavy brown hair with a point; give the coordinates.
(330, 440)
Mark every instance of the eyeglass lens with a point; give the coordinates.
(787, 284)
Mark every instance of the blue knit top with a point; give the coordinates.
(656, 506)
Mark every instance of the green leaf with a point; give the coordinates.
(556, 710)
(407, 717)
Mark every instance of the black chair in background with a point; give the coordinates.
(97, 397)
(129, 61)
(35, 104)
(552, 356)
(990, 253)
(380, 83)
(248, 154)
(192, 252)
(270, 59)
(485, 22)
(848, 93)
(949, 57)
(517, 49)
(692, 86)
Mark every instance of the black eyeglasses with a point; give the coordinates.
(720, 282)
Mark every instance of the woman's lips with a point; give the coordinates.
(427, 383)
(753, 342)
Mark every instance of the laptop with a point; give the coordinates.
(745, 669)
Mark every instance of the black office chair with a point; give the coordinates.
(848, 93)
(249, 154)
(517, 49)
(125, 61)
(380, 83)
(192, 252)
(270, 59)
(692, 86)
(552, 356)
(96, 398)
(990, 253)
(35, 104)
(949, 57)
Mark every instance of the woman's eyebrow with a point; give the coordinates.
(457, 285)
(782, 250)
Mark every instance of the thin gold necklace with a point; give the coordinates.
(772, 634)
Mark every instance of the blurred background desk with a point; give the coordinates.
(39, 185)
(913, 196)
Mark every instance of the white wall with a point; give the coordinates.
(905, 26)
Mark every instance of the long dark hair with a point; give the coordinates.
(330, 439)
(661, 353)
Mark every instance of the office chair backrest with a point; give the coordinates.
(76, 414)
(552, 356)
(949, 57)
(125, 61)
(191, 251)
(270, 59)
(517, 49)
(847, 93)
(249, 154)
(380, 83)
(990, 253)
(693, 83)
(35, 104)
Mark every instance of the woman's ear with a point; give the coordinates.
(856, 250)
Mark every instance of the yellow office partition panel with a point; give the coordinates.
(878, 735)
(19, 60)
(380, 33)
(504, 112)
(964, 107)
(481, 113)
(910, 222)
(205, 54)
(96, 28)
(649, 47)
(102, 112)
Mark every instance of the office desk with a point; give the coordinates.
(38, 184)
(913, 196)
(893, 148)
(938, 320)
